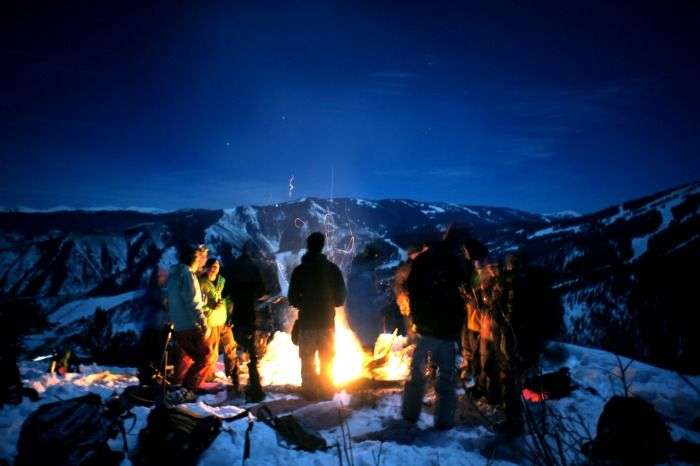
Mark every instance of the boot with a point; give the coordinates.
(234, 379)
(254, 392)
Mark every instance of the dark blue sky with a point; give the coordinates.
(541, 106)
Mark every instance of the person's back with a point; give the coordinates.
(316, 289)
(435, 287)
(437, 308)
(246, 285)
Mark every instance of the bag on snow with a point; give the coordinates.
(630, 430)
(70, 432)
(173, 436)
(291, 432)
(551, 385)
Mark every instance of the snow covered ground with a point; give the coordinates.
(596, 373)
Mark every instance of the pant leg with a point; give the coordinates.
(195, 346)
(445, 353)
(475, 361)
(213, 343)
(246, 336)
(253, 374)
(183, 361)
(466, 368)
(415, 385)
(228, 344)
(310, 380)
(326, 353)
(489, 379)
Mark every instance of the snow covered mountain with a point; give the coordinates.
(624, 272)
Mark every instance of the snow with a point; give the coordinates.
(168, 257)
(364, 203)
(471, 211)
(432, 210)
(563, 214)
(286, 262)
(596, 372)
(572, 255)
(86, 307)
(389, 265)
(403, 255)
(229, 229)
(554, 230)
(640, 245)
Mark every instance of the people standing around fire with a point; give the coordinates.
(316, 288)
(246, 288)
(187, 310)
(436, 287)
(212, 285)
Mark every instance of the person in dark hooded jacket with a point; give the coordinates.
(246, 288)
(316, 289)
(436, 289)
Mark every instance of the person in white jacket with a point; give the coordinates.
(187, 311)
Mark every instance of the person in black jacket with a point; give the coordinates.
(436, 290)
(246, 287)
(316, 289)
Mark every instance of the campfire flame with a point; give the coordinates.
(350, 358)
(389, 361)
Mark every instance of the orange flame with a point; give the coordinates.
(389, 361)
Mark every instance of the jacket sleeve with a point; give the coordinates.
(294, 293)
(190, 296)
(339, 289)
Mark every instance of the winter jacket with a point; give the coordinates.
(215, 309)
(316, 289)
(246, 285)
(433, 285)
(185, 299)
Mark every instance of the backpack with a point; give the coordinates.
(71, 432)
(173, 436)
(550, 385)
(630, 430)
(290, 433)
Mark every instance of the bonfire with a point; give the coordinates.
(388, 361)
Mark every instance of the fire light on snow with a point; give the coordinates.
(390, 359)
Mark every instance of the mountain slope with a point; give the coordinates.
(623, 272)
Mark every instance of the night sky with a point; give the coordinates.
(530, 105)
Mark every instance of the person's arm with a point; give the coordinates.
(220, 284)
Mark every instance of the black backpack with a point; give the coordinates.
(71, 432)
(631, 431)
(292, 434)
(172, 436)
